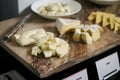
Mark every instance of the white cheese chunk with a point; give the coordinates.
(86, 38)
(61, 51)
(95, 32)
(42, 41)
(76, 35)
(65, 25)
(48, 53)
(35, 51)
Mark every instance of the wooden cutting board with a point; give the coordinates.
(78, 51)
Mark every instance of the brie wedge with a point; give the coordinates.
(65, 25)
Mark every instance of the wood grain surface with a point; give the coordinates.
(78, 51)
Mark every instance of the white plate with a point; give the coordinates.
(75, 7)
(105, 2)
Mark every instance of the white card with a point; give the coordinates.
(108, 66)
(81, 75)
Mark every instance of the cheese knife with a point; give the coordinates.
(14, 29)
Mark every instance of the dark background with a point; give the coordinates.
(8, 9)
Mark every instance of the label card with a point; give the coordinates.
(108, 66)
(81, 75)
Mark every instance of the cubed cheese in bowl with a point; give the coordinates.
(53, 9)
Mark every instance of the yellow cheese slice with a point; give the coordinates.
(117, 19)
(107, 19)
(98, 17)
(112, 25)
(92, 16)
(116, 27)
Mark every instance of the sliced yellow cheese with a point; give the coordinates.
(117, 19)
(112, 19)
(65, 25)
(98, 17)
(85, 37)
(112, 24)
(116, 27)
(92, 16)
(107, 19)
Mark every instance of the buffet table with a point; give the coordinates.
(79, 52)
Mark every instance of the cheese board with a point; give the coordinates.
(79, 52)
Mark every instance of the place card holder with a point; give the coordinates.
(108, 66)
(81, 75)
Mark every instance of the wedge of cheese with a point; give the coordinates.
(92, 16)
(85, 37)
(65, 25)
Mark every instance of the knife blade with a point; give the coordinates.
(14, 29)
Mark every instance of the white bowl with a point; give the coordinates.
(105, 2)
(74, 5)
